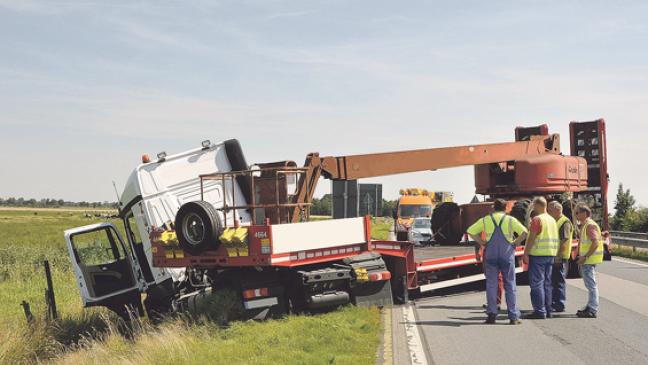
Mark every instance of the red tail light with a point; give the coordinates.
(380, 276)
(255, 293)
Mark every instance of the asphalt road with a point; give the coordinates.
(449, 329)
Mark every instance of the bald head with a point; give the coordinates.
(540, 205)
(555, 209)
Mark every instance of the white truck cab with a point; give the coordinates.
(112, 270)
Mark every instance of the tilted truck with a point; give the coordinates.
(204, 220)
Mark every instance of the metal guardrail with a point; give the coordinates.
(623, 234)
(632, 239)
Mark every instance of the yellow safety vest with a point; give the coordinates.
(586, 243)
(560, 222)
(547, 242)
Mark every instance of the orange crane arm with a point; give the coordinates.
(390, 163)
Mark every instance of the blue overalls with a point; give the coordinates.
(499, 256)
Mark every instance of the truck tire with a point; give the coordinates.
(197, 227)
(237, 162)
(521, 210)
(401, 236)
(567, 209)
(446, 223)
(573, 270)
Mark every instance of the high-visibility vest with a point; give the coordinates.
(586, 243)
(547, 242)
(560, 222)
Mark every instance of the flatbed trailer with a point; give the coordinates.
(410, 269)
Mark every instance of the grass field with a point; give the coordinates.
(625, 251)
(347, 336)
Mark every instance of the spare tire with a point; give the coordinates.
(197, 227)
(446, 223)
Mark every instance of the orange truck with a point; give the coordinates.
(414, 203)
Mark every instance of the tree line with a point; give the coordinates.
(628, 216)
(324, 206)
(54, 203)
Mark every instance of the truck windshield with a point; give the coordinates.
(422, 223)
(413, 211)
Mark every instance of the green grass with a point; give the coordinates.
(625, 251)
(348, 336)
(380, 227)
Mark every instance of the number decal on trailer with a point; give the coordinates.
(261, 234)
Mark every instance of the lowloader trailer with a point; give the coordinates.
(204, 220)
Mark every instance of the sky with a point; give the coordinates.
(86, 87)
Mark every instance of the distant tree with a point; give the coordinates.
(321, 206)
(623, 205)
(389, 207)
(635, 220)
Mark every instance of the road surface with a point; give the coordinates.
(449, 329)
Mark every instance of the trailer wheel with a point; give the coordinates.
(197, 226)
(446, 223)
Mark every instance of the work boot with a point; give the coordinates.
(515, 321)
(534, 315)
(491, 319)
(586, 309)
(586, 314)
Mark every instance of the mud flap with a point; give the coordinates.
(364, 292)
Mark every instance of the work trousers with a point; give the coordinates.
(558, 276)
(540, 269)
(589, 278)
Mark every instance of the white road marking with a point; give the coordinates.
(629, 262)
(414, 343)
(388, 354)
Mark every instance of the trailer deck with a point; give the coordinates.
(423, 253)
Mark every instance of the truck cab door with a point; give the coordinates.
(104, 271)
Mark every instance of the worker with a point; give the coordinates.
(499, 257)
(539, 253)
(590, 254)
(561, 262)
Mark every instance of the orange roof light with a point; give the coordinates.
(146, 158)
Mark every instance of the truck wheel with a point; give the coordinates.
(401, 236)
(446, 223)
(567, 210)
(522, 211)
(197, 226)
(573, 270)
